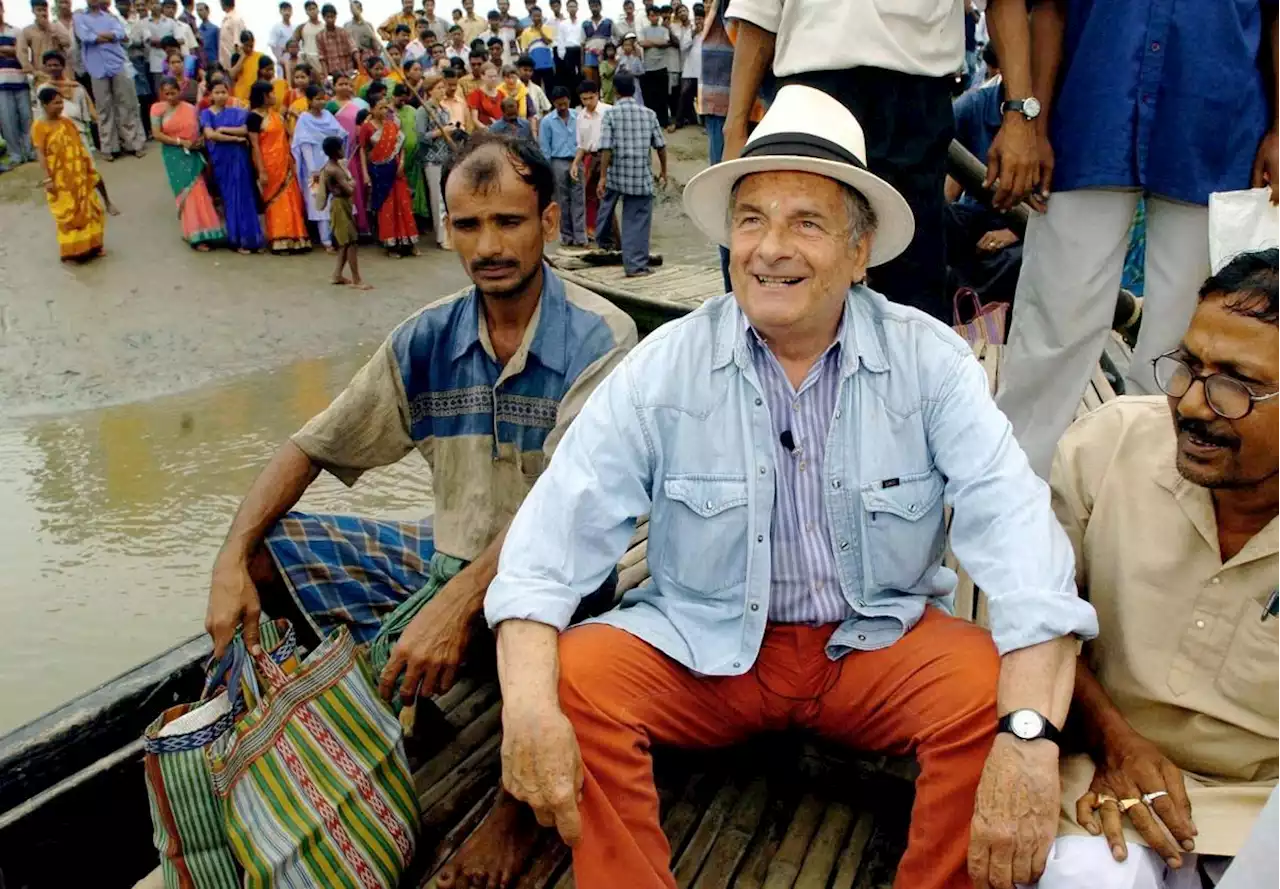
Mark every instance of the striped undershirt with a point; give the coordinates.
(804, 585)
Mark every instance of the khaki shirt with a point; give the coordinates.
(486, 431)
(1181, 648)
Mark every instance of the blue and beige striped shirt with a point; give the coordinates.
(804, 584)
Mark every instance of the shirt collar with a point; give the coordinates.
(858, 336)
(544, 338)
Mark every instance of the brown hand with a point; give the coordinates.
(233, 602)
(1266, 166)
(995, 241)
(1098, 812)
(1134, 766)
(1013, 163)
(1039, 199)
(1015, 813)
(430, 650)
(542, 765)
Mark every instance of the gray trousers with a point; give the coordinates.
(573, 203)
(15, 124)
(637, 217)
(119, 123)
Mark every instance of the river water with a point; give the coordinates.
(110, 518)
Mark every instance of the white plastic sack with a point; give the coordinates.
(1240, 221)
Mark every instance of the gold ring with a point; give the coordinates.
(1127, 804)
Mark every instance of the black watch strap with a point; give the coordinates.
(1046, 729)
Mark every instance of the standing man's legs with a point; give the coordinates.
(1072, 263)
(108, 120)
(637, 219)
(622, 695)
(931, 693)
(908, 125)
(128, 114)
(653, 85)
(715, 153)
(15, 124)
(576, 209)
(569, 197)
(606, 236)
(590, 176)
(1177, 264)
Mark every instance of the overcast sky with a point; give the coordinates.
(260, 15)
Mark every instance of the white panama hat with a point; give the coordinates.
(807, 131)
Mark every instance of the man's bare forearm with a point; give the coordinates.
(1011, 34)
(752, 58)
(277, 488)
(1048, 26)
(662, 162)
(528, 664)
(1099, 719)
(1039, 678)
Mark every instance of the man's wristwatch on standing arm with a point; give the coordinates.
(1028, 725)
(1029, 107)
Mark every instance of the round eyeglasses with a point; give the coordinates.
(1226, 396)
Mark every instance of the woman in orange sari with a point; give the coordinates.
(285, 214)
(70, 181)
(382, 156)
(176, 125)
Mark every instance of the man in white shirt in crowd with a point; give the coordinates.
(586, 163)
(366, 38)
(229, 33)
(895, 78)
(691, 69)
(282, 31)
(568, 45)
(156, 29)
(306, 34)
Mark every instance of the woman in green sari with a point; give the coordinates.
(175, 124)
(407, 112)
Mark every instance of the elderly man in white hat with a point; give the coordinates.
(794, 443)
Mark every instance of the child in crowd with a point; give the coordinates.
(335, 185)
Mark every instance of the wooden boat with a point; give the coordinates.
(779, 813)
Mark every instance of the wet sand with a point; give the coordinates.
(141, 394)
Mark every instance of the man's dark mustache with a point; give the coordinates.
(1200, 429)
(484, 265)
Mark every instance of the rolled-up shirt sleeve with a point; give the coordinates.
(766, 14)
(576, 522)
(1003, 530)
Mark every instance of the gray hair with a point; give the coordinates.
(861, 215)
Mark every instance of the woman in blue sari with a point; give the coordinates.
(310, 130)
(227, 138)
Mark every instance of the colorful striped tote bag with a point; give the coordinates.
(186, 815)
(314, 780)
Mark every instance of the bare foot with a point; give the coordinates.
(360, 285)
(202, 248)
(112, 210)
(416, 252)
(339, 279)
(496, 852)
(330, 249)
(244, 251)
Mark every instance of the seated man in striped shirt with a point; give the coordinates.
(483, 384)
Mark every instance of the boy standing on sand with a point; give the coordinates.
(336, 186)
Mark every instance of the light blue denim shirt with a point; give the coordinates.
(680, 430)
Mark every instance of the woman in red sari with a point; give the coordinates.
(382, 158)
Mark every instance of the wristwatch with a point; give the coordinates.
(1028, 107)
(1028, 725)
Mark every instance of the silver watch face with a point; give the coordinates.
(1031, 108)
(1026, 724)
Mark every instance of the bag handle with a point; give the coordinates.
(970, 295)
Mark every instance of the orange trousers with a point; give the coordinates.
(932, 693)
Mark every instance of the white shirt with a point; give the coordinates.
(917, 37)
(692, 69)
(589, 126)
(567, 34)
(309, 32)
(280, 35)
(157, 30)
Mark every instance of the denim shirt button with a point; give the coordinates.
(862, 638)
(844, 544)
(835, 483)
(755, 606)
(763, 470)
(911, 508)
(759, 401)
(737, 665)
(759, 538)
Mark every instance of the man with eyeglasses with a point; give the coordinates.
(1170, 504)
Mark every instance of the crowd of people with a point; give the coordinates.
(242, 131)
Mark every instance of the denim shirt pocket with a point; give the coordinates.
(904, 529)
(703, 531)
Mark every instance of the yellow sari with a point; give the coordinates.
(77, 210)
(248, 77)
